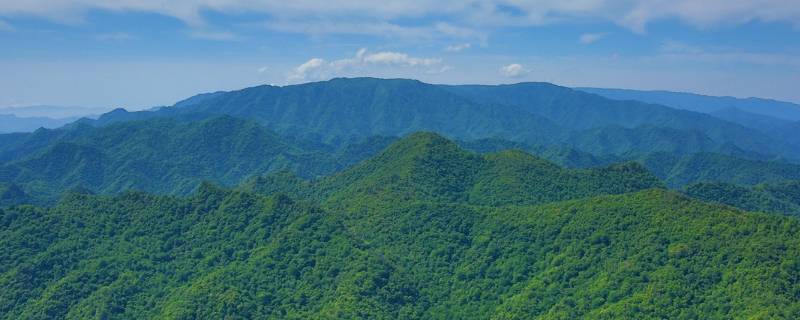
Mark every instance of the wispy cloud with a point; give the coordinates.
(514, 70)
(372, 27)
(457, 47)
(679, 51)
(318, 68)
(215, 35)
(589, 38)
(458, 17)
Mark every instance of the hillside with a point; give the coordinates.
(345, 109)
(428, 167)
(778, 197)
(678, 171)
(585, 112)
(230, 254)
(705, 104)
(160, 155)
(339, 110)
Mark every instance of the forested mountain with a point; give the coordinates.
(783, 197)
(706, 104)
(680, 170)
(633, 121)
(163, 156)
(427, 167)
(340, 110)
(400, 237)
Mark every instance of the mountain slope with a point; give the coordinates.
(223, 254)
(706, 104)
(340, 110)
(426, 166)
(678, 171)
(779, 197)
(578, 110)
(161, 155)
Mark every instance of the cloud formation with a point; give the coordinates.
(215, 35)
(514, 70)
(319, 69)
(589, 38)
(457, 47)
(463, 16)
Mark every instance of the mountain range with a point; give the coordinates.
(424, 229)
(320, 128)
(395, 199)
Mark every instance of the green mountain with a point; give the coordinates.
(162, 156)
(780, 197)
(426, 166)
(661, 125)
(424, 230)
(342, 110)
(681, 170)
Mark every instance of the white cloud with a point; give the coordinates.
(397, 58)
(514, 70)
(457, 47)
(309, 69)
(215, 35)
(463, 17)
(262, 69)
(362, 62)
(589, 38)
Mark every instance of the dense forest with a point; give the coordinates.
(423, 230)
(396, 199)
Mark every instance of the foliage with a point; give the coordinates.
(780, 197)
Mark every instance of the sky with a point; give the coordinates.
(144, 53)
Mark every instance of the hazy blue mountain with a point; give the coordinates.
(11, 123)
(751, 120)
(340, 111)
(55, 112)
(343, 110)
(706, 104)
(578, 110)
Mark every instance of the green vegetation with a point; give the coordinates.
(162, 156)
(423, 230)
(337, 111)
(779, 198)
(678, 171)
(189, 212)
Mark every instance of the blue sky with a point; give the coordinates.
(144, 53)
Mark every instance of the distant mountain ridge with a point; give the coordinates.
(54, 112)
(343, 109)
(10, 123)
(702, 103)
